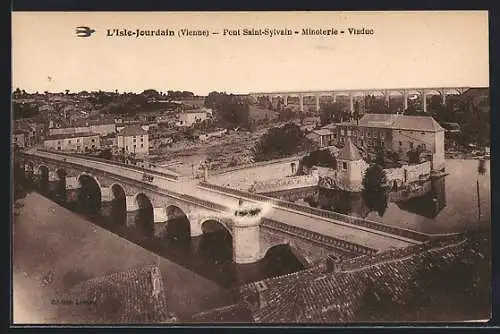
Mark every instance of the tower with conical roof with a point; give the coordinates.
(351, 166)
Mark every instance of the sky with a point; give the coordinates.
(407, 50)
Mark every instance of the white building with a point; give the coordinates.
(80, 142)
(133, 139)
(189, 118)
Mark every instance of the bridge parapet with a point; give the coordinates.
(323, 213)
(321, 239)
(111, 162)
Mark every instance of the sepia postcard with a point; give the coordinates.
(250, 168)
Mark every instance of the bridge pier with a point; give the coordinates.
(53, 182)
(72, 189)
(246, 240)
(160, 218)
(106, 194)
(351, 103)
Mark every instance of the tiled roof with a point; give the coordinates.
(124, 297)
(132, 130)
(349, 152)
(387, 286)
(71, 135)
(322, 132)
(236, 313)
(397, 122)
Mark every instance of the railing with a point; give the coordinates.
(116, 163)
(317, 237)
(322, 213)
(253, 165)
(138, 183)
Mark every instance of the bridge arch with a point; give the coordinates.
(144, 220)
(281, 259)
(90, 194)
(178, 226)
(118, 204)
(61, 184)
(43, 178)
(217, 241)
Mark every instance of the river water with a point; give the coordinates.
(451, 205)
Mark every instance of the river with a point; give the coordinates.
(451, 206)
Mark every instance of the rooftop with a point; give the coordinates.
(123, 297)
(349, 152)
(322, 132)
(72, 135)
(398, 285)
(397, 122)
(132, 130)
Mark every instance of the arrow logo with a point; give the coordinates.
(84, 31)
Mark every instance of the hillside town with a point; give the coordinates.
(369, 164)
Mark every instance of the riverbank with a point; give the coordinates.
(55, 249)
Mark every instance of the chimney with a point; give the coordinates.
(261, 288)
(332, 263)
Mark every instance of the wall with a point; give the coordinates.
(413, 172)
(416, 137)
(243, 177)
(279, 184)
(439, 155)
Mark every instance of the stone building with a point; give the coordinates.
(398, 133)
(133, 139)
(80, 142)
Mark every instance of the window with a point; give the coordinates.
(142, 145)
(142, 138)
(135, 146)
(362, 143)
(422, 133)
(78, 140)
(411, 146)
(400, 144)
(93, 140)
(134, 140)
(344, 165)
(348, 132)
(59, 148)
(69, 141)
(93, 146)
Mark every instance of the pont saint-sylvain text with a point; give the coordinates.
(304, 32)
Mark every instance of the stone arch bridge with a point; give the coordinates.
(95, 183)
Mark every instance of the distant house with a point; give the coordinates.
(451, 127)
(322, 137)
(133, 139)
(80, 142)
(189, 118)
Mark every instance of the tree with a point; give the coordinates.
(332, 112)
(280, 142)
(322, 158)
(375, 190)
